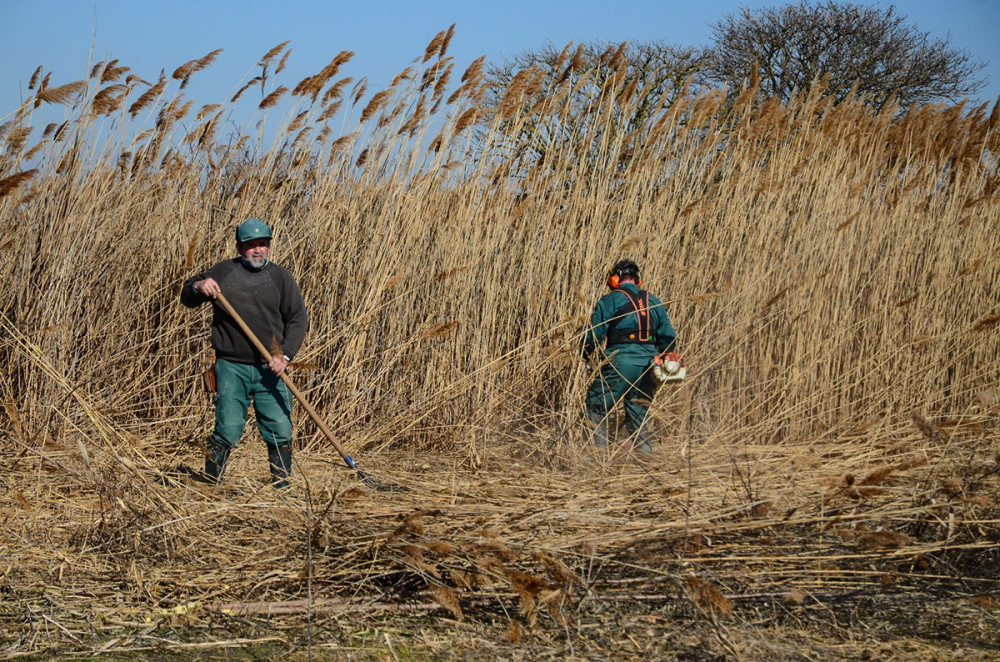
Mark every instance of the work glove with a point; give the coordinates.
(669, 357)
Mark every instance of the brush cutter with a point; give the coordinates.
(365, 478)
(669, 367)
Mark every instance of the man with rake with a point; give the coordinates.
(635, 329)
(268, 298)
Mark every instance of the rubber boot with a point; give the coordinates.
(600, 434)
(216, 457)
(643, 442)
(280, 459)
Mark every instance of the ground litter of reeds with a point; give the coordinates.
(824, 483)
(538, 551)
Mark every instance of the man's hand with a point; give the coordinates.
(278, 364)
(207, 287)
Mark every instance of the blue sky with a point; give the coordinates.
(150, 35)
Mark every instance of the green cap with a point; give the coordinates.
(252, 229)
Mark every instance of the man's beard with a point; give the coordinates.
(256, 262)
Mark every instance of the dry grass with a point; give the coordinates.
(825, 480)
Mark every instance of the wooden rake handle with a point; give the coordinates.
(285, 378)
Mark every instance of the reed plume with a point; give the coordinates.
(109, 99)
(359, 90)
(11, 182)
(283, 62)
(186, 70)
(378, 100)
(272, 99)
(63, 94)
(33, 81)
(271, 54)
(435, 45)
(147, 98)
(112, 73)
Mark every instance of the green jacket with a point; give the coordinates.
(608, 316)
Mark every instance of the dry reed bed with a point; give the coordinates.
(832, 273)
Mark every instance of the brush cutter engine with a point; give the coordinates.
(669, 367)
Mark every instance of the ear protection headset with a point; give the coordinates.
(620, 270)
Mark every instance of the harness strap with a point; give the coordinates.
(638, 304)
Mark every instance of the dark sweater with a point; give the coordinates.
(268, 300)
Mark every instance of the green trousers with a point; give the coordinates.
(238, 384)
(625, 378)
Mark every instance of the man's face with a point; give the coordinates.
(254, 251)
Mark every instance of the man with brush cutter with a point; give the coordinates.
(268, 298)
(640, 344)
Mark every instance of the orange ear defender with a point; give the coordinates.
(623, 268)
(614, 281)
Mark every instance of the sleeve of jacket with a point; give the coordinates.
(666, 336)
(294, 316)
(598, 329)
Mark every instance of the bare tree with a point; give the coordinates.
(656, 67)
(793, 46)
(641, 79)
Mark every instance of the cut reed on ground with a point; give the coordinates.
(831, 458)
